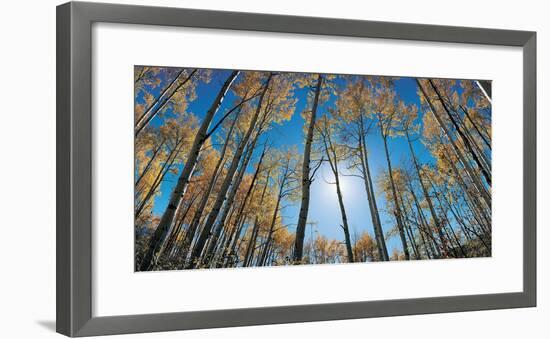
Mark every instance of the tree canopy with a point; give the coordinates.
(257, 168)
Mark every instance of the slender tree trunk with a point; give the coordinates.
(228, 241)
(179, 190)
(159, 178)
(190, 234)
(151, 113)
(249, 253)
(408, 227)
(472, 196)
(229, 244)
(427, 197)
(225, 245)
(270, 231)
(143, 71)
(239, 246)
(256, 228)
(228, 207)
(375, 216)
(475, 144)
(201, 241)
(229, 202)
(230, 199)
(269, 251)
(467, 229)
(410, 235)
(397, 212)
(172, 238)
(477, 193)
(427, 230)
(465, 140)
(484, 225)
(148, 165)
(418, 223)
(455, 237)
(345, 225)
(467, 167)
(306, 180)
(333, 161)
(233, 251)
(476, 127)
(148, 110)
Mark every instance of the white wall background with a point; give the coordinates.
(27, 171)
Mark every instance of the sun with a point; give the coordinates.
(327, 184)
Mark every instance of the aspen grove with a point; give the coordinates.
(264, 168)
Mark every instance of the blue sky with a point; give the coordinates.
(324, 210)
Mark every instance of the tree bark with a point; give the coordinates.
(467, 167)
(160, 176)
(148, 165)
(408, 227)
(161, 95)
(434, 247)
(417, 221)
(476, 127)
(306, 180)
(397, 211)
(367, 178)
(465, 140)
(176, 231)
(435, 218)
(144, 120)
(249, 253)
(179, 190)
(231, 197)
(190, 234)
(472, 196)
(201, 241)
(333, 162)
(233, 241)
(475, 144)
(256, 228)
(282, 184)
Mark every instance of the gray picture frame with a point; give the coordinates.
(74, 168)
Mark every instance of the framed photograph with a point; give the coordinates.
(220, 169)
